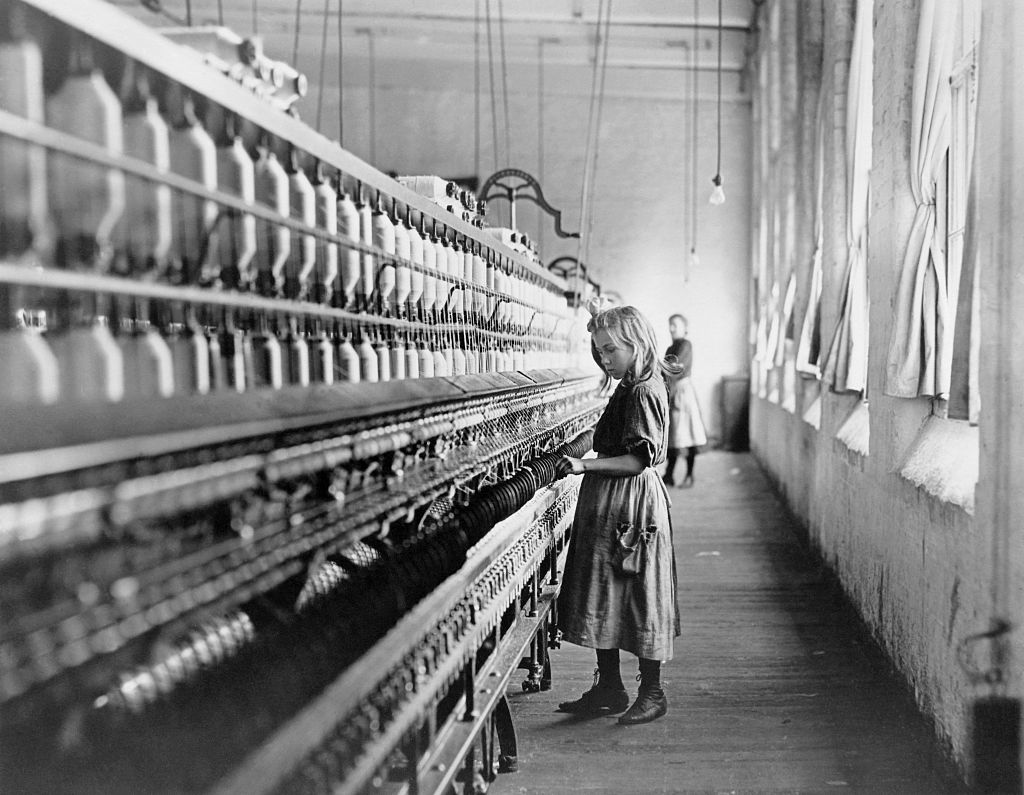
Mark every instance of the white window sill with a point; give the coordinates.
(855, 432)
(812, 416)
(943, 461)
(789, 402)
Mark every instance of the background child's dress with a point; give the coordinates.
(686, 425)
(599, 607)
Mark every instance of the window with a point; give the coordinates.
(962, 271)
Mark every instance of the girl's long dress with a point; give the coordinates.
(598, 606)
(685, 423)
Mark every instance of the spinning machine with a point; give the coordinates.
(277, 436)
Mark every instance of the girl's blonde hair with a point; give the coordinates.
(626, 326)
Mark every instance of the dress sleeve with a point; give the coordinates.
(686, 358)
(643, 432)
(681, 352)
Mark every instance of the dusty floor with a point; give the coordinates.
(774, 687)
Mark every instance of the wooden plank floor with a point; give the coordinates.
(774, 686)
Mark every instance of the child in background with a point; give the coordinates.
(685, 425)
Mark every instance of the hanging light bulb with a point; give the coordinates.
(694, 259)
(717, 194)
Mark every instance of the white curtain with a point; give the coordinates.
(846, 366)
(974, 373)
(785, 318)
(972, 18)
(808, 352)
(772, 339)
(761, 352)
(919, 357)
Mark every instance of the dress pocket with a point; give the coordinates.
(629, 555)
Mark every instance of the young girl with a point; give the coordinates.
(685, 426)
(619, 585)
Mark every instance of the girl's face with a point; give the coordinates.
(616, 358)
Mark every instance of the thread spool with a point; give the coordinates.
(145, 232)
(87, 200)
(25, 225)
(274, 245)
(349, 258)
(193, 154)
(303, 249)
(236, 174)
(326, 219)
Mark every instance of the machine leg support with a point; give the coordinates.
(533, 683)
(538, 663)
(554, 633)
(473, 782)
(508, 745)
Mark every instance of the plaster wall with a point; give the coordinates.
(999, 179)
(909, 560)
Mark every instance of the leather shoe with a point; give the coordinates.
(600, 698)
(650, 704)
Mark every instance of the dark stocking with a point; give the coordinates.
(691, 456)
(608, 667)
(670, 466)
(650, 673)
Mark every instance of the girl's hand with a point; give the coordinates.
(569, 466)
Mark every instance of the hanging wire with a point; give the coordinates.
(373, 106)
(476, 91)
(585, 189)
(298, 25)
(540, 133)
(688, 134)
(490, 65)
(692, 186)
(255, 17)
(718, 165)
(597, 124)
(341, 84)
(597, 99)
(540, 111)
(323, 66)
(188, 12)
(220, 12)
(504, 83)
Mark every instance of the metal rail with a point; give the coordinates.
(224, 575)
(77, 436)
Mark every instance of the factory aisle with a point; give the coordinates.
(774, 686)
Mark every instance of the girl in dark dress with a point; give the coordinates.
(619, 585)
